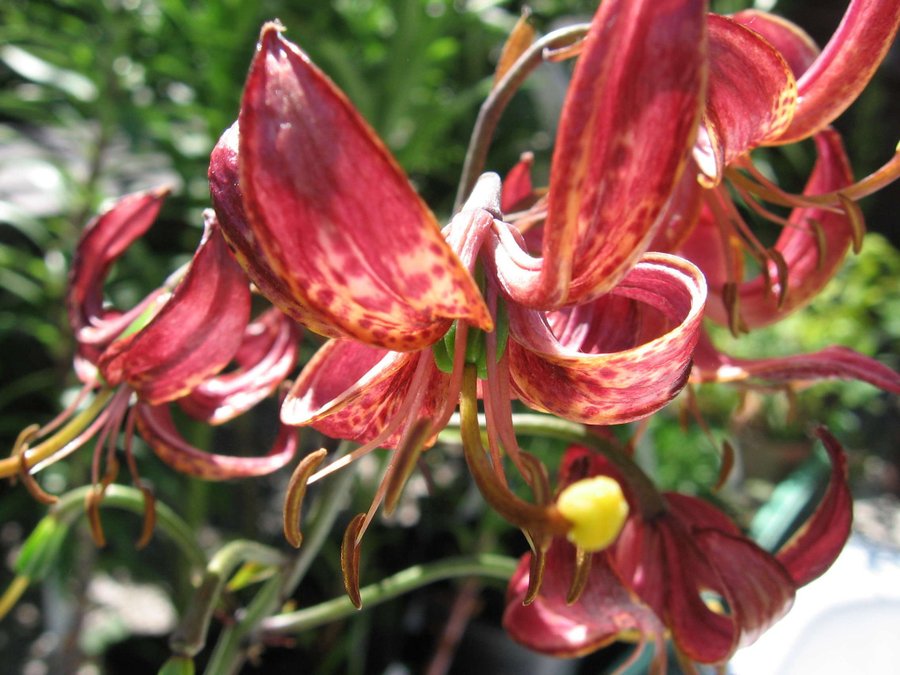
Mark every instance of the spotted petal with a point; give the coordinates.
(844, 67)
(194, 335)
(157, 428)
(228, 201)
(349, 390)
(750, 96)
(266, 356)
(335, 217)
(596, 371)
(627, 127)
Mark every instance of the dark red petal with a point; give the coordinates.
(627, 127)
(349, 390)
(844, 67)
(266, 357)
(227, 199)
(157, 429)
(756, 587)
(697, 514)
(750, 96)
(711, 365)
(517, 188)
(605, 610)
(813, 246)
(817, 544)
(336, 217)
(609, 375)
(194, 335)
(681, 213)
(105, 239)
(791, 41)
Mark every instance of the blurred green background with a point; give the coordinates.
(102, 97)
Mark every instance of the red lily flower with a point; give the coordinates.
(714, 589)
(172, 347)
(792, 92)
(327, 225)
(754, 64)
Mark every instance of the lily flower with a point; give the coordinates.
(683, 561)
(326, 224)
(172, 347)
(770, 85)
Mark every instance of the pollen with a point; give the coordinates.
(597, 510)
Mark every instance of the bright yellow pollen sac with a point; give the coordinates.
(597, 510)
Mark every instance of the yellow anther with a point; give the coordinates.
(597, 510)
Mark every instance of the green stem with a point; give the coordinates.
(71, 506)
(190, 635)
(485, 565)
(227, 655)
(492, 109)
(225, 658)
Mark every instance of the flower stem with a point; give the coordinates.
(40, 452)
(485, 565)
(494, 105)
(650, 500)
(227, 655)
(190, 635)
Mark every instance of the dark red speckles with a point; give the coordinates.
(325, 297)
(417, 284)
(438, 271)
(436, 249)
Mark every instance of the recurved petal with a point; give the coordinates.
(605, 611)
(844, 67)
(750, 96)
(336, 217)
(711, 365)
(157, 429)
(265, 358)
(193, 336)
(791, 41)
(596, 367)
(813, 246)
(816, 545)
(349, 390)
(627, 127)
(105, 239)
(756, 587)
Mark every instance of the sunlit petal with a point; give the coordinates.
(844, 67)
(194, 335)
(105, 239)
(750, 96)
(609, 374)
(816, 545)
(336, 217)
(627, 127)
